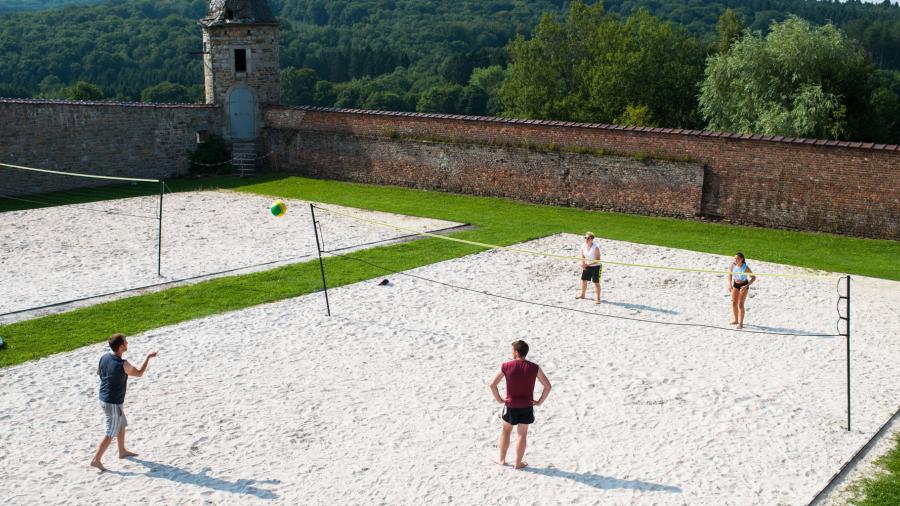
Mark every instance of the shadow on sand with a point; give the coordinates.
(789, 331)
(639, 307)
(202, 479)
(601, 482)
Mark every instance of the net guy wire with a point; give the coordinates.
(565, 257)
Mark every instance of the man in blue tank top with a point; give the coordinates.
(114, 372)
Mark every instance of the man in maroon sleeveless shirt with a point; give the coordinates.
(520, 376)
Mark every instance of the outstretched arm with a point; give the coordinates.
(752, 277)
(547, 387)
(493, 386)
(138, 372)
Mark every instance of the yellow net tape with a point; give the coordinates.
(565, 257)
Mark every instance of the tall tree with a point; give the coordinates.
(799, 81)
(593, 67)
(298, 86)
(730, 28)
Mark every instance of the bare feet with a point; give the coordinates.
(740, 326)
(127, 454)
(734, 322)
(579, 297)
(98, 465)
(521, 465)
(597, 302)
(500, 462)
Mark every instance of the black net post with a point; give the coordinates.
(312, 212)
(162, 187)
(846, 334)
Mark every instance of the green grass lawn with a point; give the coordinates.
(497, 221)
(882, 488)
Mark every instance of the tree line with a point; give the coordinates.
(652, 62)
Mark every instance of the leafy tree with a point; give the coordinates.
(10, 91)
(729, 28)
(547, 76)
(324, 94)
(298, 86)
(83, 90)
(635, 115)
(443, 98)
(385, 101)
(489, 79)
(473, 101)
(799, 81)
(593, 66)
(168, 93)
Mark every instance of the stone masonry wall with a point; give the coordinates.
(111, 139)
(571, 179)
(261, 43)
(841, 187)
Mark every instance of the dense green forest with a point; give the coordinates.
(426, 55)
(33, 5)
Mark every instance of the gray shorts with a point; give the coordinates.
(115, 418)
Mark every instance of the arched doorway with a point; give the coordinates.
(241, 113)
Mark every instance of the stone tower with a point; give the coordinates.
(240, 62)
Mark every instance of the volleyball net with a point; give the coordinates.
(687, 288)
(79, 208)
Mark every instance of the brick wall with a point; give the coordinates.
(830, 186)
(581, 180)
(111, 139)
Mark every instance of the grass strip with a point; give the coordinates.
(883, 487)
(498, 221)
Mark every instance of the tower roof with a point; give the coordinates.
(238, 11)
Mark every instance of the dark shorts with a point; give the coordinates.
(592, 274)
(515, 416)
(738, 285)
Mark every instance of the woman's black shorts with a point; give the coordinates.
(739, 285)
(591, 273)
(515, 416)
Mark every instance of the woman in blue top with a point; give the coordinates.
(739, 285)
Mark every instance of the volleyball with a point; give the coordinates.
(278, 209)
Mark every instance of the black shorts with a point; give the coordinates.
(515, 416)
(591, 273)
(738, 285)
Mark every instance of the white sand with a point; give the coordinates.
(386, 402)
(58, 254)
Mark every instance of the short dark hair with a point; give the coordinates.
(521, 348)
(116, 340)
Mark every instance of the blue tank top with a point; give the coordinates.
(113, 380)
(737, 272)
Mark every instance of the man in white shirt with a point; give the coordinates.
(590, 265)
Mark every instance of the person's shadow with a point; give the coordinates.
(640, 307)
(601, 482)
(202, 479)
(786, 330)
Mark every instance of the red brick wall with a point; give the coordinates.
(608, 182)
(830, 186)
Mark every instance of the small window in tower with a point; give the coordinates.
(240, 60)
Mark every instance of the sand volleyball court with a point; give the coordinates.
(57, 254)
(386, 402)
